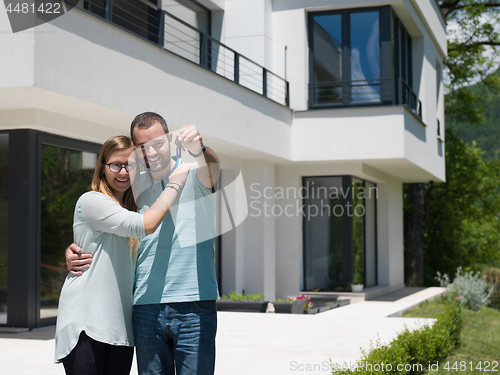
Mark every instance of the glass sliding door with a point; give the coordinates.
(4, 223)
(65, 175)
(323, 239)
(339, 232)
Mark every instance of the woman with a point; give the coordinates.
(94, 333)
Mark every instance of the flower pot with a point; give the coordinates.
(296, 307)
(356, 288)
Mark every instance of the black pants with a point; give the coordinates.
(90, 357)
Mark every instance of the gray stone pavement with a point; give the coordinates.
(254, 343)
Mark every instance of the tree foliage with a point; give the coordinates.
(487, 136)
(462, 214)
(472, 55)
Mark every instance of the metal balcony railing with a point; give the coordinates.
(409, 98)
(363, 92)
(173, 34)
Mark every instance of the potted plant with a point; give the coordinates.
(357, 283)
(297, 305)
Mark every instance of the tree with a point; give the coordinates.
(471, 36)
(461, 215)
(472, 53)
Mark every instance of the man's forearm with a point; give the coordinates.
(209, 170)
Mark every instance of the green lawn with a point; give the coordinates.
(480, 340)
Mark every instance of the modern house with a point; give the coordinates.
(324, 107)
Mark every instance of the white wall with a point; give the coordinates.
(17, 54)
(249, 29)
(249, 251)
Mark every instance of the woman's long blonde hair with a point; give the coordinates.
(101, 185)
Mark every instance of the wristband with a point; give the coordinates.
(173, 187)
(203, 148)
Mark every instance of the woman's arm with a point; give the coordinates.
(157, 212)
(103, 214)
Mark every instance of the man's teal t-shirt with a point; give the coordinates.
(176, 262)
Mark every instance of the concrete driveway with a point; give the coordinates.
(255, 343)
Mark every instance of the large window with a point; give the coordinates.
(4, 223)
(359, 57)
(339, 233)
(46, 175)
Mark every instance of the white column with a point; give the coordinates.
(390, 250)
(260, 237)
(230, 213)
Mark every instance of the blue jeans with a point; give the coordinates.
(175, 334)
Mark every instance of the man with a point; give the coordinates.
(175, 314)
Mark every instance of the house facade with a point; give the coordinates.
(322, 108)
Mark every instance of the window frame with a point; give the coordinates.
(390, 71)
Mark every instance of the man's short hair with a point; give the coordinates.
(146, 120)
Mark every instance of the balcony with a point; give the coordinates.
(145, 20)
(365, 92)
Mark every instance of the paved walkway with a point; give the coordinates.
(253, 343)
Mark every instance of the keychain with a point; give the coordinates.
(178, 149)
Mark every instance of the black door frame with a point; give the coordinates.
(24, 233)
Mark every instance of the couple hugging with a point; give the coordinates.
(140, 272)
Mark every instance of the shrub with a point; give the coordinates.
(234, 296)
(467, 287)
(307, 306)
(411, 350)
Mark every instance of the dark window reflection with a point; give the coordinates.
(327, 60)
(339, 233)
(66, 174)
(4, 184)
(138, 17)
(365, 57)
(323, 241)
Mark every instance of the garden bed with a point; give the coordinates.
(242, 306)
(302, 304)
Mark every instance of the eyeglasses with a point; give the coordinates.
(116, 167)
